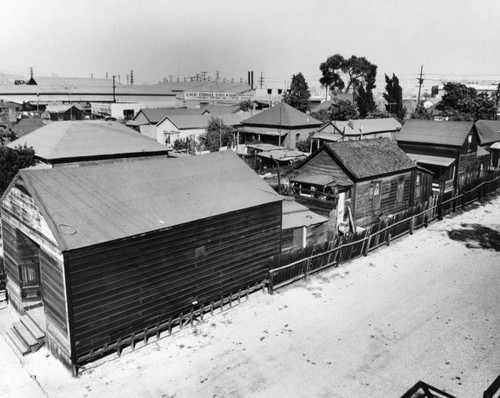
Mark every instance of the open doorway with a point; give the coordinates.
(28, 260)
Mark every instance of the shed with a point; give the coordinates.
(367, 179)
(448, 149)
(81, 142)
(111, 250)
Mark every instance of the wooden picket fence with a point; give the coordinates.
(299, 264)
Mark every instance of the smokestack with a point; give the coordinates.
(31, 72)
(251, 80)
(131, 77)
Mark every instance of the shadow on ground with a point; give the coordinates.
(477, 236)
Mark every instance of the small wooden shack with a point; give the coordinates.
(113, 249)
(363, 180)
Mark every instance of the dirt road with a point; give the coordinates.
(425, 308)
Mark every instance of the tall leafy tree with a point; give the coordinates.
(339, 110)
(464, 103)
(217, 134)
(298, 95)
(11, 161)
(356, 74)
(394, 97)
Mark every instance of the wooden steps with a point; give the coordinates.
(27, 335)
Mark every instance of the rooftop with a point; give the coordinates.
(435, 132)
(282, 115)
(84, 206)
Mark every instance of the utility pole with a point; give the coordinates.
(204, 75)
(420, 82)
(217, 74)
(261, 80)
(114, 89)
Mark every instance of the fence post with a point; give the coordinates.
(306, 276)
(271, 283)
(367, 245)
(388, 239)
(440, 211)
(412, 224)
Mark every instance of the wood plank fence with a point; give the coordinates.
(301, 263)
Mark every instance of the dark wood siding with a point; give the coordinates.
(365, 214)
(323, 164)
(123, 286)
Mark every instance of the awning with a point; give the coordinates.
(496, 145)
(481, 152)
(319, 179)
(434, 160)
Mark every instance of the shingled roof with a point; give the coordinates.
(371, 158)
(434, 132)
(282, 115)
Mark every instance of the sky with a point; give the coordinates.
(160, 38)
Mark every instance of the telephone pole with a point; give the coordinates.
(261, 80)
(420, 82)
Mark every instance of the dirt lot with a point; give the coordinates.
(425, 308)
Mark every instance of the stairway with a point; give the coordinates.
(28, 335)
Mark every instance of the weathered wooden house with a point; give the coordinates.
(361, 129)
(361, 180)
(83, 142)
(448, 149)
(111, 250)
(280, 125)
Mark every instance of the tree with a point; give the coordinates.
(464, 103)
(421, 113)
(339, 110)
(217, 133)
(11, 161)
(298, 95)
(356, 74)
(246, 105)
(394, 97)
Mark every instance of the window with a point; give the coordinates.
(418, 184)
(376, 195)
(401, 190)
(128, 114)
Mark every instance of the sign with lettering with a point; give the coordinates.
(215, 96)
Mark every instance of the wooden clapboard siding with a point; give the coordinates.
(10, 253)
(365, 214)
(123, 286)
(55, 306)
(322, 164)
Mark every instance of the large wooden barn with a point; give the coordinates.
(109, 250)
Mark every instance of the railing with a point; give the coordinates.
(300, 264)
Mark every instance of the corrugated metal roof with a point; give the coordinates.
(80, 139)
(296, 215)
(282, 115)
(434, 160)
(156, 115)
(370, 158)
(488, 131)
(434, 132)
(85, 206)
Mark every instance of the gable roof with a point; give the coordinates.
(282, 115)
(371, 158)
(84, 206)
(488, 131)
(87, 139)
(336, 98)
(367, 126)
(435, 132)
(201, 121)
(156, 115)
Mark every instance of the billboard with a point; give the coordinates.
(215, 96)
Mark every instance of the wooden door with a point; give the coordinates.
(28, 253)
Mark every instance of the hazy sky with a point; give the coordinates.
(277, 37)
